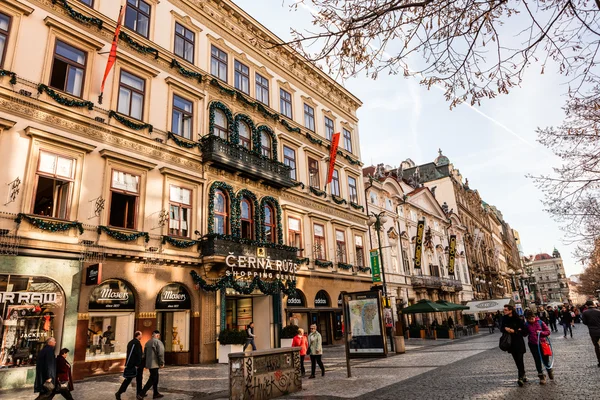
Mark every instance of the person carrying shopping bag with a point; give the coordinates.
(315, 346)
(512, 327)
(537, 343)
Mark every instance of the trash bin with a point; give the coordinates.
(399, 344)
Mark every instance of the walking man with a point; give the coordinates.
(154, 352)
(133, 366)
(591, 318)
(566, 320)
(250, 337)
(45, 371)
(552, 318)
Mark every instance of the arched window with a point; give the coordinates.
(245, 137)
(265, 144)
(246, 217)
(221, 125)
(220, 211)
(269, 224)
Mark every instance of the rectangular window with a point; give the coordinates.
(241, 77)
(180, 211)
(358, 250)
(262, 89)
(405, 261)
(352, 191)
(309, 117)
(285, 103)
(137, 17)
(319, 242)
(289, 159)
(340, 246)
(4, 29)
(329, 128)
(184, 42)
(295, 234)
(218, 63)
(313, 173)
(131, 95)
(182, 117)
(54, 182)
(347, 140)
(335, 183)
(68, 68)
(124, 195)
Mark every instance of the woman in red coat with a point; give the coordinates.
(300, 341)
(64, 380)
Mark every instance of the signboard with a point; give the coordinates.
(296, 300)
(516, 297)
(419, 243)
(173, 297)
(93, 275)
(112, 295)
(260, 266)
(28, 298)
(375, 268)
(322, 299)
(364, 324)
(526, 290)
(452, 254)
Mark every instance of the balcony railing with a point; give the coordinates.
(217, 246)
(236, 158)
(436, 282)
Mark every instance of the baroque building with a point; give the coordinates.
(552, 284)
(175, 199)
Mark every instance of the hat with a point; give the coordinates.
(590, 303)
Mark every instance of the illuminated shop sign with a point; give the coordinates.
(262, 267)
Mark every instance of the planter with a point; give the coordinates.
(399, 344)
(422, 333)
(476, 328)
(451, 334)
(225, 349)
(414, 333)
(442, 333)
(286, 342)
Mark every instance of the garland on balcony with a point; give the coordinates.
(266, 113)
(313, 139)
(123, 237)
(79, 16)
(345, 266)
(181, 143)
(302, 260)
(179, 243)
(268, 288)
(338, 200)
(250, 242)
(364, 269)
(138, 47)
(258, 145)
(235, 132)
(211, 205)
(244, 100)
(289, 127)
(13, 76)
(245, 193)
(357, 206)
(296, 184)
(65, 101)
(211, 116)
(222, 89)
(47, 225)
(273, 202)
(323, 264)
(317, 192)
(128, 123)
(186, 72)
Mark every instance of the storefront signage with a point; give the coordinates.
(296, 300)
(321, 299)
(375, 269)
(448, 288)
(487, 304)
(112, 295)
(28, 298)
(419, 243)
(451, 254)
(173, 297)
(262, 267)
(93, 275)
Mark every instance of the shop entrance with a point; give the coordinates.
(173, 306)
(241, 310)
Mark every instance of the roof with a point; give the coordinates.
(417, 190)
(542, 256)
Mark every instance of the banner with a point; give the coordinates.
(375, 268)
(419, 243)
(451, 254)
(112, 56)
(335, 140)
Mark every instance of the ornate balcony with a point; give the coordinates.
(221, 247)
(233, 157)
(436, 282)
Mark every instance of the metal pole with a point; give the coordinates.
(378, 228)
(348, 371)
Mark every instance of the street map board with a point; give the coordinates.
(364, 326)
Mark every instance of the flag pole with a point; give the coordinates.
(112, 57)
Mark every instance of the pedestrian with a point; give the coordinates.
(45, 371)
(591, 318)
(154, 353)
(250, 336)
(134, 366)
(64, 379)
(566, 321)
(301, 341)
(450, 322)
(315, 349)
(532, 327)
(490, 323)
(513, 325)
(552, 319)
(543, 315)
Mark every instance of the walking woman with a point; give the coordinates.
(513, 325)
(566, 320)
(64, 380)
(315, 347)
(532, 327)
(300, 341)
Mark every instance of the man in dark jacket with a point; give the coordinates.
(552, 317)
(134, 366)
(566, 320)
(154, 353)
(591, 318)
(514, 326)
(45, 371)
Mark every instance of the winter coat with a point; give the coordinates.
(154, 351)
(302, 342)
(514, 322)
(553, 315)
(63, 372)
(591, 318)
(531, 330)
(45, 368)
(134, 358)
(565, 317)
(315, 343)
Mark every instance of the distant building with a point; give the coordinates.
(550, 277)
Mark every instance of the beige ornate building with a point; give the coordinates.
(205, 145)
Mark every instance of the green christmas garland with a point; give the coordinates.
(235, 132)
(344, 266)
(250, 242)
(179, 243)
(274, 203)
(65, 101)
(317, 192)
(268, 288)
(181, 143)
(222, 89)
(323, 264)
(357, 206)
(255, 206)
(364, 269)
(289, 127)
(128, 123)
(296, 184)
(258, 144)
(338, 200)
(123, 237)
(302, 260)
(313, 139)
(138, 47)
(186, 72)
(211, 117)
(244, 100)
(234, 214)
(262, 109)
(13, 76)
(47, 225)
(79, 16)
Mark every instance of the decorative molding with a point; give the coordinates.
(185, 19)
(6, 124)
(83, 317)
(310, 102)
(181, 175)
(135, 64)
(19, 6)
(58, 139)
(113, 155)
(151, 314)
(190, 91)
(77, 35)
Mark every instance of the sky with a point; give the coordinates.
(493, 145)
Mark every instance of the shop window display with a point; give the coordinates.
(239, 313)
(175, 327)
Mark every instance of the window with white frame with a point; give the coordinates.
(124, 197)
(180, 211)
(132, 90)
(319, 252)
(340, 246)
(295, 234)
(262, 89)
(359, 251)
(68, 68)
(54, 185)
(218, 63)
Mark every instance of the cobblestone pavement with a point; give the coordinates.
(471, 368)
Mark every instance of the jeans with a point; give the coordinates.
(249, 341)
(152, 381)
(316, 359)
(536, 357)
(567, 327)
(518, 357)
(491, 328)
(138, 382)
(302, 370)
(553, 326)
(596, 340)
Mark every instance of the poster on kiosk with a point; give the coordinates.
(364, 324)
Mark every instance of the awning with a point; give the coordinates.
(452, 306)
(485, 306)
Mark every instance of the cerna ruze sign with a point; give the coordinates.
(260, 266)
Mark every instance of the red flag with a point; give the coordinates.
(335, 139)
(112, 56)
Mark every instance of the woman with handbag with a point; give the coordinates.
(538, 344)
(512, 328)
(64, 380)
